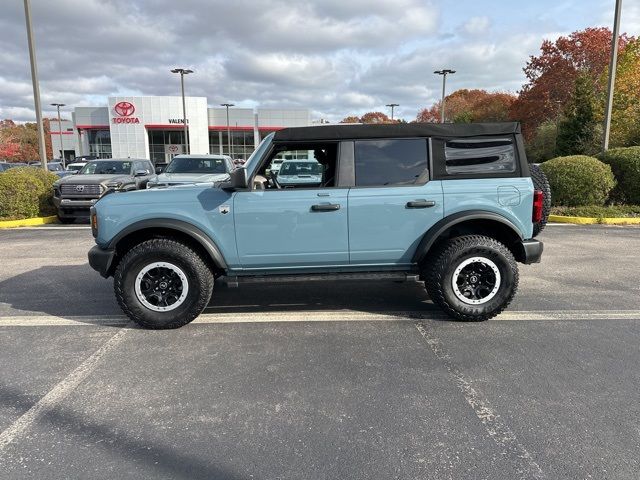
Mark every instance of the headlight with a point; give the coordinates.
(115, 185)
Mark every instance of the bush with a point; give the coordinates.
(625, 164)
(26, 192)
(578, 180)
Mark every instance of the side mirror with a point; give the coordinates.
(159, 170)
(74, 172)
(238, 179)
(140, 173)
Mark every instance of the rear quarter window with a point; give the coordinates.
(479, 156)
(391, 162)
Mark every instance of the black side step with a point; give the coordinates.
(235, 281)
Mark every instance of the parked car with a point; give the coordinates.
(85, 158)
(75, 167)
(74, 195)
(4, 166)
(190, 169)
(299, 172)
(453, 205)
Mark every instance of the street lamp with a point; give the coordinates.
(444, 73)
(58, 105)
(392, 105)
(227, 105)
(36, 86)
(612, 75)
(183, 72)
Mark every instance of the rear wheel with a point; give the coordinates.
(541, 183)
(472, 278)
(162, 283)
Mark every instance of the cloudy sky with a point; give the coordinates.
(335, 57)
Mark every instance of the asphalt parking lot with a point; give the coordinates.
(341, 380)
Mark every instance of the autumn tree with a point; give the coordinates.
(577, 131)
(350, 119)
(375, 117)
(19, 143)
(466, 106)
(625, 121)
(551, 76)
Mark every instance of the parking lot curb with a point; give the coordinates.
(28, 222)
(595, 221)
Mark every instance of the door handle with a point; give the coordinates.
(421, 204)
(325, 207)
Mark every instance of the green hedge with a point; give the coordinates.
(625, 163)
(26, 192)
(578, 180)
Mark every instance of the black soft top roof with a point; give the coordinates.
(394, 130)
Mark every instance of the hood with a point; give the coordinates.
(177, 178)
(92, 179)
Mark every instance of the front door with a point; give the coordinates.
(290, 229)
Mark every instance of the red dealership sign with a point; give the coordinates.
(124, 110)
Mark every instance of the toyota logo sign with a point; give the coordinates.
(79, 188)
(124, 109)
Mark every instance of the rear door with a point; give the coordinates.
(393, 202)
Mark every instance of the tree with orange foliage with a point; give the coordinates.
(350, 119)
(551, 76)
(466, 106)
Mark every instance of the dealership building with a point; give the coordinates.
(153, 128)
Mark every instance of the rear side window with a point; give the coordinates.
(475, 155)
(391, 162)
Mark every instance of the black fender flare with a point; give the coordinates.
(444, 224)
(179, 225)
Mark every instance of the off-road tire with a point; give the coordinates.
(195, 268)
(443, 262)
(541, 183)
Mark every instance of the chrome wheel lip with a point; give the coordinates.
(456, 274)
(169, 266)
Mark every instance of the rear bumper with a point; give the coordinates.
(101, 260)
(532, 251)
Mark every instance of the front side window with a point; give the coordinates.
(197, 165)
(480, 155)
(390, 162)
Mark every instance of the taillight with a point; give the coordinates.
(538, 200)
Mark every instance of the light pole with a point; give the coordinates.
(612, 75)
(36, 86)
(392, 105)
(227, 105)
(58, 105)
(183, 72)
(444, 73)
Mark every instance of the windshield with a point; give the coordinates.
(300, 168)
(74, 168)
(54, 167)
(250, 164)
(106, 167)
(196, 165)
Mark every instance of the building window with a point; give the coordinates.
(241, 145)
(99, 143)
(158, 139)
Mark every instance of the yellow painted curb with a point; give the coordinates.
(595, 221)
(27, 222)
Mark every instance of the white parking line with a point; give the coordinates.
(496, 428)
(322, 316)
(58, 393)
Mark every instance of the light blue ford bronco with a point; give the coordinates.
(452, 205)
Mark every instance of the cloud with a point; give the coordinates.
(335, 57)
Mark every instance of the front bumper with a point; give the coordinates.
(101, 260)
(72, 203)
(532, 251)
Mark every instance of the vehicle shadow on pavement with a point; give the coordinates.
(163, 459)
(76, 290)
(60, 290)
(364, 296)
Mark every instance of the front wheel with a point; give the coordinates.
(472, 278)
(162, 283)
